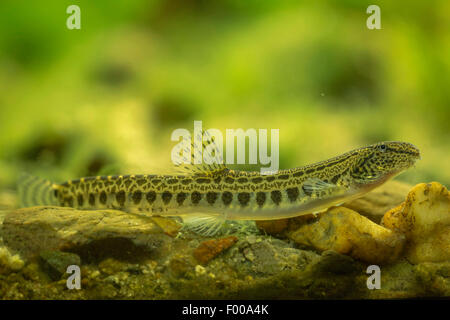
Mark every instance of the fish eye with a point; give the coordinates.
(382, 147)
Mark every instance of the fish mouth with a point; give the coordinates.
(416, 152)
(417, 157)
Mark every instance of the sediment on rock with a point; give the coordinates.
(30, 231)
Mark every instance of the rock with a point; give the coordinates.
(180, 266)
(273, 227)
(200, 270)
(111, 266)
(374, 204)
(208, 250)
(346, 232)
(434, 278)
(169, 226)
(55, 263)
(270, 257)
(29, 231)
(334, 263)
(424, 218)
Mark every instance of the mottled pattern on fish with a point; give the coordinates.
(234, 194)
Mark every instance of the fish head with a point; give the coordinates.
(379, 162)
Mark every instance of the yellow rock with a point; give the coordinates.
(345, 231)
(169, 226)
(424, 218)
(374, 204)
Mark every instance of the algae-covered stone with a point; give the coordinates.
(55, 263)
(180, 266)
(29, 231)
(345, 231)
(334, 263)
(111, 266)
(434, 278)
(9, 262)
(424, 218)
(271, 256)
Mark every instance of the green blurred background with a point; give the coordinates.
(105, 99)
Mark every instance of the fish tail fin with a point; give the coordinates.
(34, 191)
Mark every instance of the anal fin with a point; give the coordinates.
(203, 224)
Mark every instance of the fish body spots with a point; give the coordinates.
(172, 181)
(156, 181)
(127, 183)
(211, 197)
(151, 197)
(260, 198)
(103, 197)
(196, 197)
(137, 197)
(244, 198)
(227, 198)
(91, 199)
(229, 180)
(80, 200)
(166, 196)
(292, 194)
(257, 180)
(140, 182)
(186, 181)
(276, 197)
(120, 198)
(181, 197)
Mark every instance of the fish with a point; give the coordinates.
(205, 196)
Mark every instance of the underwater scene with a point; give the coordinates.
(224, 150)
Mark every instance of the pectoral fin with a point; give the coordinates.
(317, 187)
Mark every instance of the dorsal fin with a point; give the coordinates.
(205, 149)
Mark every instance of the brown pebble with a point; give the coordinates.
(208, 250)
(272, 227)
